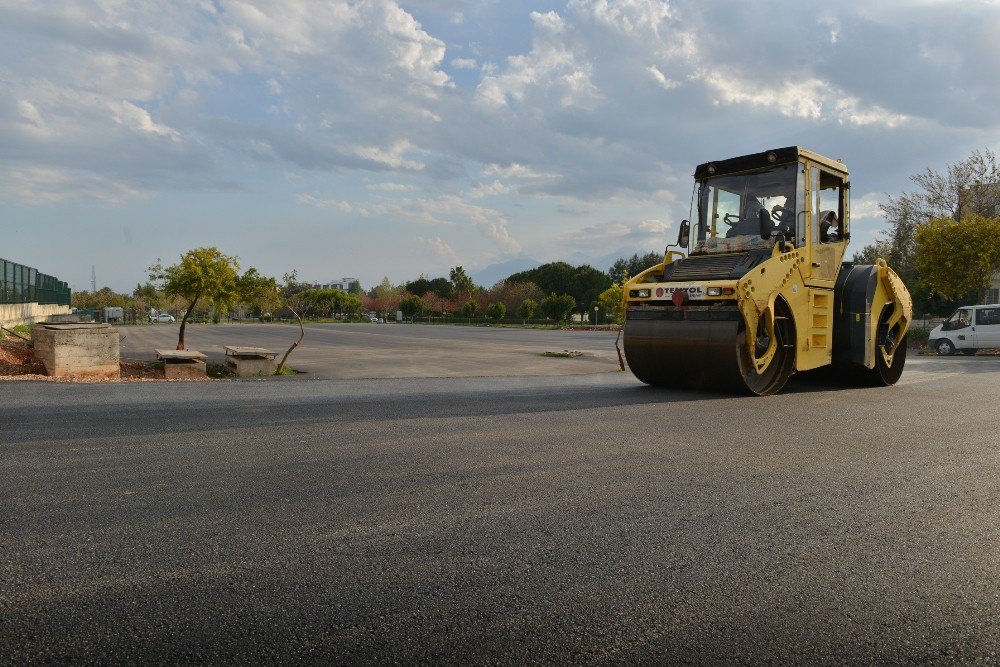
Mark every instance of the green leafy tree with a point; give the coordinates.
(584, 283)
(386, 290)
(149, 296)
(956, 257)
(259, 292)
(202, 274)
(441, 287)
(411, 305)
(326, 302)
(496, 311)
(355, 289)
(462, 284)
(469, 308)
(557, 277)
(265, 294)
(588, 285)
(349, 304)
(99, 300)
(558, 308)
(965, 187)
(610, 301)
(527, 310)
(625, 267)
(513, 294)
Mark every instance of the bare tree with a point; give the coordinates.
(294, 301)
(969, 186)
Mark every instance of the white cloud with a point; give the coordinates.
(136, 118)
(35, 186)
(812, 99)
(600, 239)
(866, 207)
(600, 106)
(630, 17)
(392, 187)
(439, 250)
(494, 189)
(309, 200)
(392, 156)
(452, 210)
(661, 78)
(552, 70)
(513, 170)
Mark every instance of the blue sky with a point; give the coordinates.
(383, 138)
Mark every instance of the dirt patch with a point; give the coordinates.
(16, 358)
(17, 362)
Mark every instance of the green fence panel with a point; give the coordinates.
(24, 284)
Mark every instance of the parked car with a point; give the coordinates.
(969, 328)
(163, 317)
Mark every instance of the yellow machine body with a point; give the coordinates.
(808, 308)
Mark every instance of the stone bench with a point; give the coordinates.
(183, 364)
(250, 361)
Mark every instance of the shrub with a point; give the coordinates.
(527, 309)
(559, 308)
(496, 311)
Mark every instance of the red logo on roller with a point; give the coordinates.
(659, 291)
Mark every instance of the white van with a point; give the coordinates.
(970, 328)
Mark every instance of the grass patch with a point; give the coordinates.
(287, 370)
(565, 354)
(23, 329)
(218, 371)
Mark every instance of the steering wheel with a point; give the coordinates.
(779, 213)
(734, 216)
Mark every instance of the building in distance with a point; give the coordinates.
(344, 284)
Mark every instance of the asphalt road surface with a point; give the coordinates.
(359, 351)
(575, 519)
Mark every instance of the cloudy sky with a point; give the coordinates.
(377, 138)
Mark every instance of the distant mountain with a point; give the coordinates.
(494, 273)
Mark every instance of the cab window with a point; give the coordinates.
(827, 206)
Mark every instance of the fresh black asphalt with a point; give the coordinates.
(581, 519)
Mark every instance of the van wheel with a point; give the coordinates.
(945, 347)
(969, 353)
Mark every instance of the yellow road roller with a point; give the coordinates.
(762, 290)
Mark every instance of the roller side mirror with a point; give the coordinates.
(764, 218)
(684, 235)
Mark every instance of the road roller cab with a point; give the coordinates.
(765, 251)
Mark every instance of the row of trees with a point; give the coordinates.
(554, 291)
(943, 237)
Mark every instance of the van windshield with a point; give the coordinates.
(960, 319)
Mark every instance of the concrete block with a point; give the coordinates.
(250, 361)
(245, 368)
(192, 369)
(81, 351)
